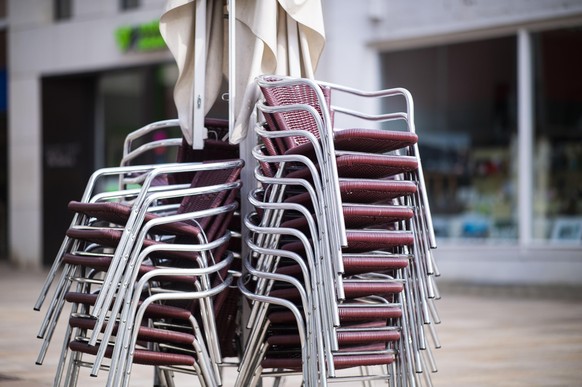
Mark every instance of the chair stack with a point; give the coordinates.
(340, 274)
(147, 269)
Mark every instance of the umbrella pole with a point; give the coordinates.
(231, 64)
(293, 59)
(197, 100)
(245, 149)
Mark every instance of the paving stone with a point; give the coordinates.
(491, 336)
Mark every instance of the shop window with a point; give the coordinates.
(129, 99)
(465, 106)
(129, 4)
(557, 168)
(63, 9)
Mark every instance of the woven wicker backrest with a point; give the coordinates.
(294, 120)
(212, 225)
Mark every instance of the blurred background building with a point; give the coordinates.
(498, 99)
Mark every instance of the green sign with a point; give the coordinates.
(143, 37)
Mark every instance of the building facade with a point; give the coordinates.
(83, 73)
(498, 110)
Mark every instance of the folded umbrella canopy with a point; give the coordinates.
(284, 37)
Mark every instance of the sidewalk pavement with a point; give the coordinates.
(490, 337)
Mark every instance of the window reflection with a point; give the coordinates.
(558, 135)
(465, 105)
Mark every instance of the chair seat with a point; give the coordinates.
(145, 333)
(361, 217)
(349, 314)
(365, 166)
(118, 213)
(362, 140)
(364, 191)
(358, 264)
(102, 263)
(153, 310)
(360, 241)
(344, 338)
(339, 361)
(370, 240)
(140, 356)
(351, 289)
(110, 238)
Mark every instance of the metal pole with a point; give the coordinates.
(197, 125)
(231, 64)
(525, 136)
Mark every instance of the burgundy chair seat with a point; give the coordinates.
(360, 217)
(102, 263)
(360, 241)
(110, 238)
(140, 356)
(351, 289)
(365, 166)
(370, 240)
(364, 191)
(357, 264)
(346, 340)
(348, 314)
(145, 333)
(362, 140)
(118, 213)
(338, 361)
(368, 216)
(153, 310)
(351, 314)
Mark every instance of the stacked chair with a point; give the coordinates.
(337, 274)
(340, 273)
(147, 269)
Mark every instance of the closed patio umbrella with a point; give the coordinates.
(180, 31)
(284, 37)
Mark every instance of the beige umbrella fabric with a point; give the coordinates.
(284, 37)
(178, 28)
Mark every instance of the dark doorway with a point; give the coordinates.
(85, 120)
(68, 114)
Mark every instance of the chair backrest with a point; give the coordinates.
(150, 141)
(302, 93)
(214, 149)
(214, 146)
(213, 226)
(158, 143)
